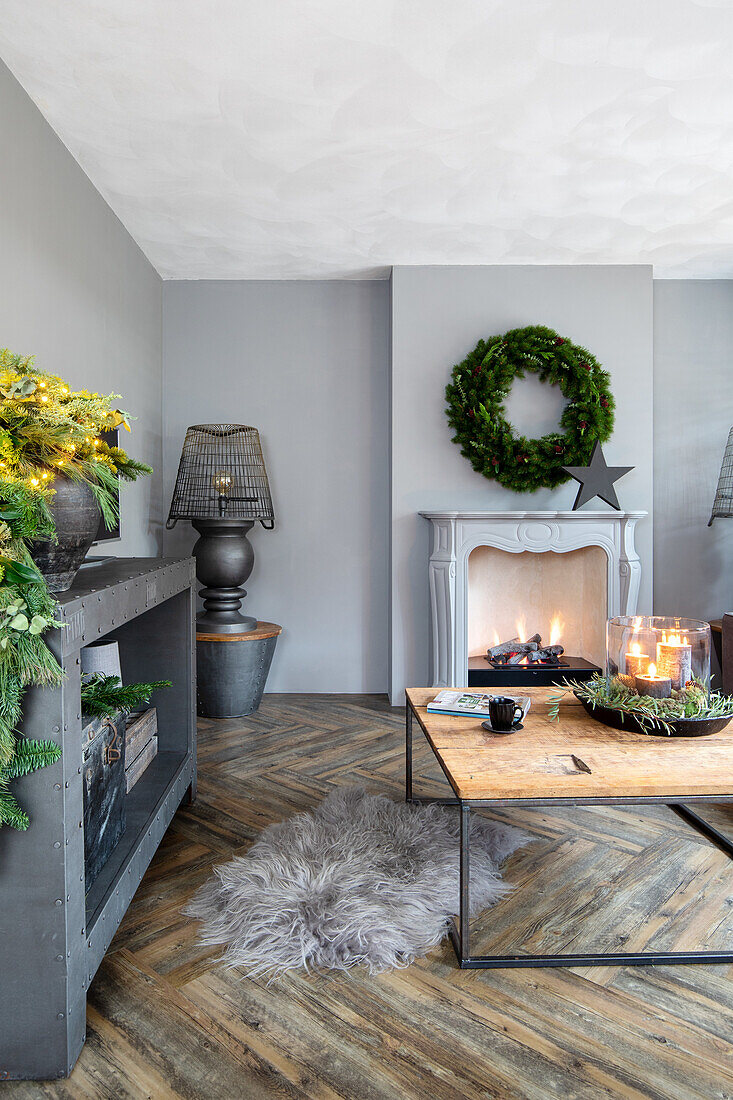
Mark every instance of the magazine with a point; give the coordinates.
(469, 703)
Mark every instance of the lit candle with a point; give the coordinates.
(656, 687)
(674, 659)
(636, 661)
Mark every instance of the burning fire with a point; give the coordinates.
(635, 649)
(526, 649)
(557, 626)
(674, 639)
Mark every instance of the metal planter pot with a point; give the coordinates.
(231, 670)
(76, 515)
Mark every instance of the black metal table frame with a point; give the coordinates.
(459, 930)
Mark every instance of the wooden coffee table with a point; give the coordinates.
(576, 761)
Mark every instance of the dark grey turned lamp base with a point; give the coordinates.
(233, 651)
(224, 560)
(232, 669)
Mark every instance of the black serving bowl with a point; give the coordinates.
(682, 727)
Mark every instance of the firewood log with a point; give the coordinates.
(514, 645)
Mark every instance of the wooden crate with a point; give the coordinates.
(141, 744)
(140, 764)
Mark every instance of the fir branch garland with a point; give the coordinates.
(46, 431)
(26, 612)
(480, 384)
(10, 812)
(30, 755)
(103, 696)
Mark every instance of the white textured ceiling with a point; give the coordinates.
(317, 138)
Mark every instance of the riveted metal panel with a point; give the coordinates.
(51, 942)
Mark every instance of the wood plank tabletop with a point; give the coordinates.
(537, 762)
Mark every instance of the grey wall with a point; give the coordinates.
(438, 315)
(693, 412)
(77, 292)
(307, 364)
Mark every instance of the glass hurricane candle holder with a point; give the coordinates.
(658, 656)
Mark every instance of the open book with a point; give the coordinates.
(465, 703)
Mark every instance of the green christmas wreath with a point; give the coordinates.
(481, 384)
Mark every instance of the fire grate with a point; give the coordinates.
(484, 673)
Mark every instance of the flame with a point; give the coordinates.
(497, 639)
(521, 628)
(635, 649)
(651, 670)
(556, 628)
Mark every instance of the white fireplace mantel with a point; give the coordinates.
(456, 534)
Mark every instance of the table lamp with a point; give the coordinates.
(222, 489)
(723, 503)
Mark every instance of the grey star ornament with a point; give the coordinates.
(597, 479)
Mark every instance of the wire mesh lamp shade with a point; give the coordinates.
(723, 503)
(221, 475)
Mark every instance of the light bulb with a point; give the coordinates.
(223, 482)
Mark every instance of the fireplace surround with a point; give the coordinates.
(456, 534)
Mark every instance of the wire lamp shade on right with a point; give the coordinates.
(221, 475)
(723, 503)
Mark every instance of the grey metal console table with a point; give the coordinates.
(53, 935)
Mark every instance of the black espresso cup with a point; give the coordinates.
(503, 713)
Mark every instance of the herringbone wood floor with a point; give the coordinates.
(165, 1020)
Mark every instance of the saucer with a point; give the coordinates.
(514, 729)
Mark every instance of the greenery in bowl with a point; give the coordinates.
(47, 431)
(691, 703)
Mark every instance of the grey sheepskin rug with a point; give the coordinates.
(360, 880)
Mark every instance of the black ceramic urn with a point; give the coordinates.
(76, 515)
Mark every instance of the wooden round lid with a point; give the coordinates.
(262, 630)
